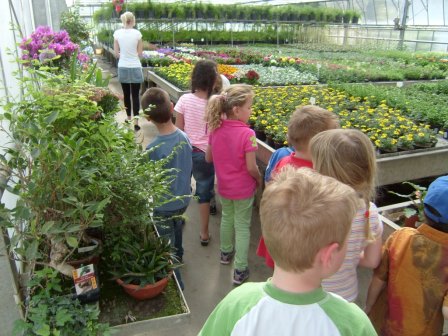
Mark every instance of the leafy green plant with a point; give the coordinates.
(139, 262)
(417, 196)
(51, 312)
(75, 26)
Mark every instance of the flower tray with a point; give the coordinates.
(395, 167)
(155, 80)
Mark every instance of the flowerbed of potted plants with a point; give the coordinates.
(352, 65)
(385, 126)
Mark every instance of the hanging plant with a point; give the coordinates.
(118, 5)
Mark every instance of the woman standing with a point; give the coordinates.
(128, 48)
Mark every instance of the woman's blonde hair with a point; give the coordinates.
(349, 156)
(234, 95)
(127, 18)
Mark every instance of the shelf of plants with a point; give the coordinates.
(405, 122)
(68, 161)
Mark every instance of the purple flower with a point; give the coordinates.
(44, 44)
(83, 58)
(57, 47)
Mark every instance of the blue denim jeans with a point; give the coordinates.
(169, 224)
(204, 174)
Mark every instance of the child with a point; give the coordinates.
(299, 208)
(190, 118)
(349, 156)
(232, 146)
(414, 267)
(158, 109)
(304, 123)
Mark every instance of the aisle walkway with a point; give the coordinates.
(206, 280)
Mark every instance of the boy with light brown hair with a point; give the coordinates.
(305, 219)
(304, 124)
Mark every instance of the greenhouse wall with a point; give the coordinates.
(414, 39)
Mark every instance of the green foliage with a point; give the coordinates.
(136, 261)
(425, 102)
(73, 168)
(198, 10)
(75, 26)
(417, 196)
(87, 73)
(51, 313)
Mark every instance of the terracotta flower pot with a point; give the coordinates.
(146, 292)
(411, 221)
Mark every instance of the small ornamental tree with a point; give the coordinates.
(75, 26)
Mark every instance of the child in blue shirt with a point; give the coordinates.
(158, 108)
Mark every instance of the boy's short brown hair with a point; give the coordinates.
(306, 122)
(156, 105)
(301, 212)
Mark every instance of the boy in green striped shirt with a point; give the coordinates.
(305, 221)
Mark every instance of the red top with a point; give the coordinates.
(294, 161)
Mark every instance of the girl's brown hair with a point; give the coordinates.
(234, 95)
(349, 156)
(204, 76)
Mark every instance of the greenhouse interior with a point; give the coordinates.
(144, 187)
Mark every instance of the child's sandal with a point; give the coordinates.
(204, 242)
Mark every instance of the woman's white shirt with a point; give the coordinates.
(128, 41)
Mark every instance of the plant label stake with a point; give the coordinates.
(399, 84)
(312, 100)
(86, 284)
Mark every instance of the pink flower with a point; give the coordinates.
(83, 58)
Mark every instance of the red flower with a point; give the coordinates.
(252, 75)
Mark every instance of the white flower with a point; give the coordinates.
(273, 75)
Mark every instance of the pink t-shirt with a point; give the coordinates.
(193, 110)
(229, 144)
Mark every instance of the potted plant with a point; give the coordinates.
(414, 213)
(75, 26)
(445, 130)
(425, 138)
(355, 17)
(347, 16)
(140, 261)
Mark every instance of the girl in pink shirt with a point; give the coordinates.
(231, 147)
(190, 118)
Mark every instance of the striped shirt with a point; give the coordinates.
(193, 110)
(345, 281)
